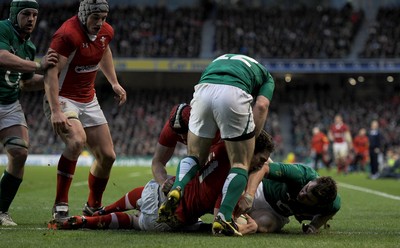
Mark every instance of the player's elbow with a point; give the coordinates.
(262, 104)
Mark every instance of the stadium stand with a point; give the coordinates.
(384, 35)
(301, 32)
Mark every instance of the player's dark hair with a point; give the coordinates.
(264, 143)
(325, 190)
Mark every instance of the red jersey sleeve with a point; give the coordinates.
(168, 137)
(62, 43)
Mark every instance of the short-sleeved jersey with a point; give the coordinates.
(361, 144)
(76, 80)
(318, 141)
(203, 191)
(240, 71)
(339, 132)
(284, 183)
(25, 49)
(168, 137)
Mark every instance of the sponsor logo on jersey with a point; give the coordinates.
(86, 68)
(103, 42)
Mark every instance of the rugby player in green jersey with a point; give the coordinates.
(232, 96)
(289, 190)
(17, 72)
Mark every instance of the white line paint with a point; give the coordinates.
(78, 184)
(370, 191)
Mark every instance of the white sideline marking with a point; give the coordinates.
(365, 190)
(82, 183)
(135, 174)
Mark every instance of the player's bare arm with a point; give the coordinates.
(161, 156)
(37, 81)
(12, 62)
(260, 113)
(33, 84)
(107, 67)
(255, 178)
(59, 121)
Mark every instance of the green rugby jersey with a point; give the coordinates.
(25, 49)
(283, 185)
(240, 71)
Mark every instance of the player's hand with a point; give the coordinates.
(309, 229)
(167, 185)
(60, 123)
(49, 60)
(120, 94)
(244, 204)
(251, 222)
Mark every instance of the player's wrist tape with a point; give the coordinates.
(38, 66)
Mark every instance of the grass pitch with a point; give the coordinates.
(369, 217)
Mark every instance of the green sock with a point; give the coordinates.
(233, 188)
(186, 170)
(8, 189)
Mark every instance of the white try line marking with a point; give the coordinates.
(370, 191)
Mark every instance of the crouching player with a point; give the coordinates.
(202, 195)
(290, 190)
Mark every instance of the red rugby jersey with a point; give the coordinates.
(76, 80)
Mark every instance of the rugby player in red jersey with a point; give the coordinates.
(339, 134)
(202, 195)
(82, 45)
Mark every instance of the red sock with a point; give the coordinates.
(65, 173)
(96, 188)
(110, 221)
(127, 202)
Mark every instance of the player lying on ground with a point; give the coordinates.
(202, 196)
(290, 190)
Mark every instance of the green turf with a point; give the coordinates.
(365, 220)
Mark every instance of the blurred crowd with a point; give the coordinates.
(274, 32)
(135, 126)
(302, 32)
(384, 35)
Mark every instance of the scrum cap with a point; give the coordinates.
(88, 7)
(179, 118)
(18, 5)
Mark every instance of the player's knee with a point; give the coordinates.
(106, 159)
(76, 146)
(16, 147)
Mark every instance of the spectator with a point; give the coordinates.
(375, 148)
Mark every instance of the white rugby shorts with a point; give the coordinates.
(261, 204)
(340, 150)
(89, 114)
(149, 203)
(224, 107)
(11, 115)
